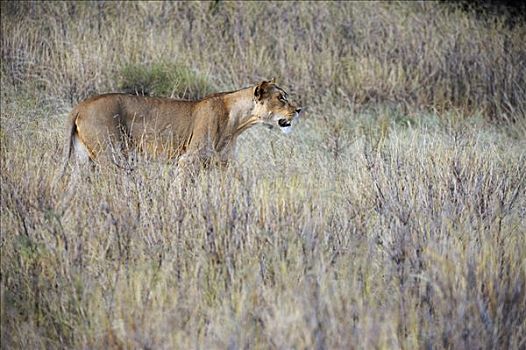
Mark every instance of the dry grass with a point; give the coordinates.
(426, 54)
(371, 226)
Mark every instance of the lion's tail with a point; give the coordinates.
(71, 129)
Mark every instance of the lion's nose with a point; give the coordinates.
(298, 110)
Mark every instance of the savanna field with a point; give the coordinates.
(393, 216)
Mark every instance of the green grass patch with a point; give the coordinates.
(164, 79)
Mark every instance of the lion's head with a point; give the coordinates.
(273, 107)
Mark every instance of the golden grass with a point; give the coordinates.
(371, 226)
(431, 55)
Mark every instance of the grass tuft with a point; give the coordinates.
(164, 79)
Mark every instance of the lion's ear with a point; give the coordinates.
(273, 80)
(259, 90)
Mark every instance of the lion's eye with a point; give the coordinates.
(282, 99)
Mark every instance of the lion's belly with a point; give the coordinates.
(157, 141)
(160, 147)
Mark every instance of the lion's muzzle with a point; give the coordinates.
(284, 123)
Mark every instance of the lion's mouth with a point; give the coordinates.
(283, 123)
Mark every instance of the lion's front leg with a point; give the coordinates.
(189, 165)
(192, 162)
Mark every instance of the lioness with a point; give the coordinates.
(171, 128)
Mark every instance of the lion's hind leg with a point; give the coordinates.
(81, 153)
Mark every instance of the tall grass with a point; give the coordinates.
(411, 240)
(393, 217)
(430, 55)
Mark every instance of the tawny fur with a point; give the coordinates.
(171, 128)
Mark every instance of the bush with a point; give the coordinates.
(163, 79)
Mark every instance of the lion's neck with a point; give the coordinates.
(240, 105)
